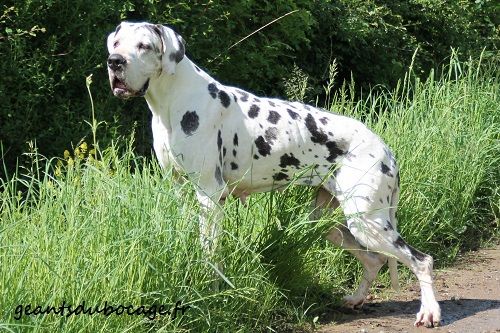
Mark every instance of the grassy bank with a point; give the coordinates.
(118, 230)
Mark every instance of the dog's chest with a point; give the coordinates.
(180, 141)
(162, 133)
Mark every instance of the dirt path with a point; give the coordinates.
(469, 295)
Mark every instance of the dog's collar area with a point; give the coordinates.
(144, 88)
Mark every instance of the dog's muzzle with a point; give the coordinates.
(116, 65)
(116, 62)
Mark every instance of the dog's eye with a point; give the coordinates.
(115, 44)
(142, 46)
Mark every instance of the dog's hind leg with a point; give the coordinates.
(342, 237)
(368, 207)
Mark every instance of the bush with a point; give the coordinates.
(49, 47)
(374, 41)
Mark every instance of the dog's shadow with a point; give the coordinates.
(452, 310)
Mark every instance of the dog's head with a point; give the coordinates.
(139, 52)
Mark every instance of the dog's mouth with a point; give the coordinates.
(120, 89)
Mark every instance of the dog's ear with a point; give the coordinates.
(173, 48)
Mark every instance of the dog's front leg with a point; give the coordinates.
(210, 219)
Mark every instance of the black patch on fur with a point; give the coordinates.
(254, 111)
(118, 28)
(234, 152)
(385, 169)
(235, 139)
(197, 68)
(235, 98)
(271, 103)
(176, 56)
(400, 243)
(224, 151)
(219, 140)
(234, 166)
(273, 117)
(179, 54)
(190, 122)
(218, 175)
(416, 253)
(280, 176)
(271, 134)
(390, 155)
(244, 95)
(389, 225)
(213, 90)
(255, 157)
(371, 155)
(263, 146)
(334, 151)
(317, 136)
(323, 120)
(224, 98)
(286, 160)
(294, 115)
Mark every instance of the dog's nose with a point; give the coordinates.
(116, 61)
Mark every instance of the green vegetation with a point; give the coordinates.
(48, 47)
(109, 225)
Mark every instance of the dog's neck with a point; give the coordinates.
(163, 93)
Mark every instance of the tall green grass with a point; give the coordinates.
(118, 229)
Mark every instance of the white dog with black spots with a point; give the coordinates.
(231, 142)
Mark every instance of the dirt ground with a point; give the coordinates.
(468, 293)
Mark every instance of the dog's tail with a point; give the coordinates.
(392, 262)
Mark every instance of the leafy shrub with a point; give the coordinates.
(48, 47)
(375, 40)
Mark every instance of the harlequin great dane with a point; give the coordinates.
(231, 142)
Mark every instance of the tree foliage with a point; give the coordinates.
(48, 47)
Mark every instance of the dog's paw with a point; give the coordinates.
(429, 316)
(353, 301)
